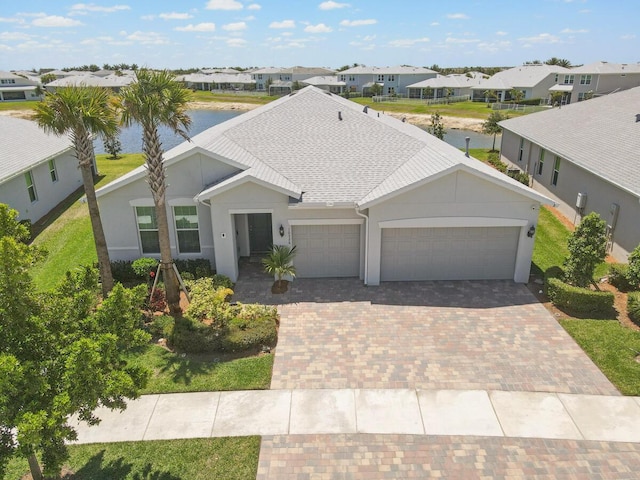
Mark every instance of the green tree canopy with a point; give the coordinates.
(587, 247)
(490, 125)
(437, 127)
(60, 354)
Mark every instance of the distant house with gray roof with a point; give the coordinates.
(18, 87)
(459, 84)
(284, 78)
(359, 193)
(587, 148)
(393, 80)
(112, 82)
(533, 80)
(37, 170)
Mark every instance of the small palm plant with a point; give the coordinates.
(279, 262)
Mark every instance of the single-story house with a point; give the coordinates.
(585, 157)
(458, 83)
(359, 193)
(37, 170)
(17, 87)
(113, 82)
(330, 83)
(533, 81)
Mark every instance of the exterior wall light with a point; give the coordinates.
(281, 230)
(532, 231)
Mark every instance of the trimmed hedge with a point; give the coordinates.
(552, 272)
(578, 300)
(618, 276)
(633, 306)
(122, 270)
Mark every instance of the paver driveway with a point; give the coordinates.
(489, 335)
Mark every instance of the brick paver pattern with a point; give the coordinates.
(488, 335)
(364, 456)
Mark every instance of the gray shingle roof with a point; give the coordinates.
(23, 145)
(525, 76)
(299, 144)
(600, 135)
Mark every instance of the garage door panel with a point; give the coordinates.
(327, 250)
(448, 253)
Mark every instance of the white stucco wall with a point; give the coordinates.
(14, 191)
(449, 198)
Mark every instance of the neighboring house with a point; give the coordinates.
(588, 148)
(37, 170)
(596, 79)
(284, 78)
(330, 83)
(218, 81)
(359, 193)
(533, 80)
(459, 84)
(394, 80)
(113, 82)
(16, 87)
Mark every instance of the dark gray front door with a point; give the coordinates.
(260, 233)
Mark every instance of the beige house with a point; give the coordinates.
(459, 85)
(359, 193)
(533, 80)
(37, 170)
(585, 157)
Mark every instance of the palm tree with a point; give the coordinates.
(155, 99)
(81, 113)
(279, 262)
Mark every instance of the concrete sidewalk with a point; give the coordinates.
(350, 411)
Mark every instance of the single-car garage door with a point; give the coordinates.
(461, 253)
(327, 250)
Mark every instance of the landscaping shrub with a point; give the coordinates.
(618, 276)
(161, 326)
(122, 271)
(633, 306)
(221, 281)
(552, 272)
(193, 336)
(143, 267)
(158, 301)
(587, 248)
(530, 101)
(578, 300)
(208, 302)
(520, 176)
(494, 160)
(633, 274)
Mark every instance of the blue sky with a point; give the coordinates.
(206, 33)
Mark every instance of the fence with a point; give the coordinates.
(519, 108)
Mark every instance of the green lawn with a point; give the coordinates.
(19, 105)
(612, 347)
(67, 236)
(550, 247)
(201, 96)
(234, 458)
(173, 373)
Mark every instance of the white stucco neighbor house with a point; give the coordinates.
(359, 193)
(584, 156)
(37, 170)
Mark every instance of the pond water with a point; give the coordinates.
(131, 137)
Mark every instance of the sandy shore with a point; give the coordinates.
(421, 120)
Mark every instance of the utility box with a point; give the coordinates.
(581, 201)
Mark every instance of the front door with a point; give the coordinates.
(260, 233)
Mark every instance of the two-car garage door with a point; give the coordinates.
(327, 250)
(460, 253)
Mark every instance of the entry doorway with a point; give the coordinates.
(260, 233)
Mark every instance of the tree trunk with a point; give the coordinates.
(84, 150)
(34, 467)
(158, 186)
(494, 142)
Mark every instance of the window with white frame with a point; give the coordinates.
(6, 81)
(52, 170)
(585, 79)
(541, 161)
(568, 79)
(392, 78)
(31, 186)
(581, 96)
(186, 219)
(352, 78)
(343, 77)
(381, 78)
(556, 171)
(521, 151)
(148, 229)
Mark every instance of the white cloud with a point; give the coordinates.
(541, 38)
(14, 36)
(147, 38)
(286, 34)
(254, 6)
(434, 24)
(147, 17)
(250, 18)
(319, 28)
(199, 27)
(55, 21)
(369, 38)
(458, 16)
(629, 36)
(460, 40)
(331, 5)
(223, 5)
(358, 23)
(10, 20)
(236, 42)
(283, 24)
(83, 8)
(586, 10)
(568, 30)
(234, 27)
(501, 33)
(175, 16)
(408, 42)
(494, 47)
